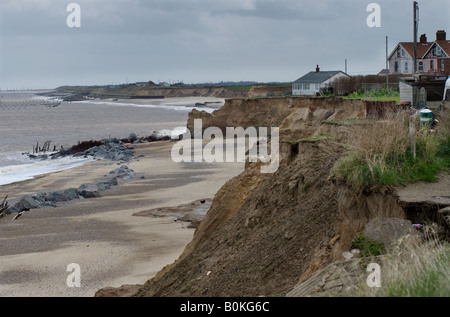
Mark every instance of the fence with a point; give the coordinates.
(367, 87)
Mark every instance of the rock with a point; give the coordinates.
(71, 194)
(13, 210)
(337, 279)
(88, 191)
(122, 291)
(57, 196)
(28, 202)
(132, 137)
(103, 185)
(445, 215)
(114, 181)
(388, 230)
(40, 197)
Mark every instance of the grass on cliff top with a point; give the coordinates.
(352, 121)
(415, 269)
(380, 156)
(245, 88)
(375, 95)
(315, 138)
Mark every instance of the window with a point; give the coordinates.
(398, 52)
(317, 85)
(396, 67)
(438, 51)
(442, 64)
(299, 86)
(434, 50)
(403, 52)
(431, 64)
(421, 66)
(406, 66)
(306, 86)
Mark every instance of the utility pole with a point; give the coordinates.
(387, 65)
(416, 8)
(415, 75)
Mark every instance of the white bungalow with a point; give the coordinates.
(313, 82)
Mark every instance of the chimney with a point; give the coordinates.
(317, 69)
(423, 39)
(441, 35)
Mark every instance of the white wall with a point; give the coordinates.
(313, 89)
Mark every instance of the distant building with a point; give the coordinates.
(432, 57)
(383, 73)
(437, 59)
(313, 82)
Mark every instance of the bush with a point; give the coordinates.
(367, 246)
(380, 155)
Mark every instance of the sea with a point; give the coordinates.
(29, 119)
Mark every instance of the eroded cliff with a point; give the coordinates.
(265, 233)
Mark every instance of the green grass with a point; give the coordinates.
(311, 139)
(239, 87)
(430, 278)
(348, 121)
(380, 156)
(318, 138)
(373, 95)
(414, 270)
(393, 171)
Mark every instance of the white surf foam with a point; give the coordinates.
(166, 106)
(17, 173)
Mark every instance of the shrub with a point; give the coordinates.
(380, 154)
(367, 246)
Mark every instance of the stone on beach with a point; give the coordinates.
(88, 191)
(28, 202)
(43, 199)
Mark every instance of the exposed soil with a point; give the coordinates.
(269, 242)
(265, 233)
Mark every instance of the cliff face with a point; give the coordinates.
(266, 232)
(296, 117)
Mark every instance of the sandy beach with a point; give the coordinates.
(111, 246)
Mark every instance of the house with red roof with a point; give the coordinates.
(433, 58)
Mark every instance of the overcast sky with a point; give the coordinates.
(200, 40)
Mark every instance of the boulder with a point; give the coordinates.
(40, 196)
(389, 230)
(28, 202)
(103, 185)
(56, 197)
(88, 191)
(122, 291)
(14, 209)
(71, 194)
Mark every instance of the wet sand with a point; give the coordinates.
(111, 246)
